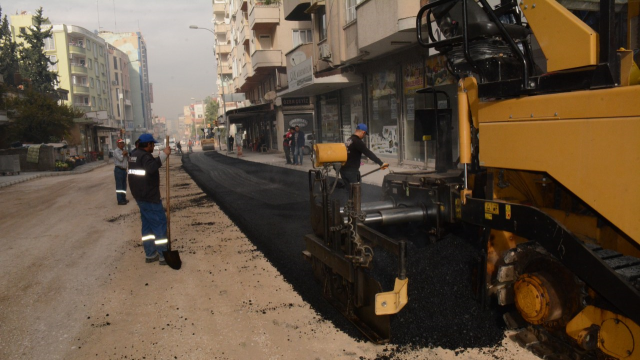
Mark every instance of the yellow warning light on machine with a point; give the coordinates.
(507, 211)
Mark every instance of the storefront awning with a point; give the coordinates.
(325, 84)
(237, 115)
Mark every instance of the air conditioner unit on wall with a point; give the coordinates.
(325, 51)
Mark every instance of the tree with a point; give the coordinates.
(8, 52)
(38, 118)
(34, 63)
(211, 114)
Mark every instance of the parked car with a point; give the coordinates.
(309, 140)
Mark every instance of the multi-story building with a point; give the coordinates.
(252, 38)
(134, 46)
(82, 67)
(364, 65)
(120, 89)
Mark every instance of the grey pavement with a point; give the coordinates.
(277, 158)
(8, 180)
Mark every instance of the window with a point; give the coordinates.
(53, 67)
(321, 15)
(100, 50)
(91, 82)
(98, 84)
(301, 36)
(102, 68)
(49, 43)
(23, 30)
(97, 70)
(93, 101)
(115, 63)
(95, 50)
(265, 42)
(90, 63)
(118, 107)
(116, 76)
(351, 9)
(118, 93)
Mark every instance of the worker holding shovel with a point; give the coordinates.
(144, 182)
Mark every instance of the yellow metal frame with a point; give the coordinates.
(618, 336)
(566, 41)
(391, 302)
(589, 141)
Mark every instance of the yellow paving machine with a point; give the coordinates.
(547, 140)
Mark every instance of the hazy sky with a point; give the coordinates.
(181, 60)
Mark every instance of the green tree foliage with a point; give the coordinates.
(8, 52)
(34, 64)
(38, 118)
(211, 114)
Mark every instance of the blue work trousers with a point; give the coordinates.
(297, 155)
(121, 184)
(154, 228)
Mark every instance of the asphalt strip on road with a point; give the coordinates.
(271, 206)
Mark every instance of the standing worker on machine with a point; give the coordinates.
(350, 172)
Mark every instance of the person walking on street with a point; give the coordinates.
(190, 145)
(144, 181)
(120, 158)
(299, 146)
(350, 171)
(286, 143)
(179, 147)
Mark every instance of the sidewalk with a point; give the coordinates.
(276, 158)
(8, 180)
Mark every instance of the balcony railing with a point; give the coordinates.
(223, 49)
(81, 89)
(263, 16)
(76, 49)
(78, 69)
(82, 107)
(266, 58)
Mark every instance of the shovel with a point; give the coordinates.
(172, 257)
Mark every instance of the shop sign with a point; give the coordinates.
(300, 75)
(298, 101)
(383, 83)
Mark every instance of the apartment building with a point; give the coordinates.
(82, 67)
(118, 63)
(134, 46)
(252, 38)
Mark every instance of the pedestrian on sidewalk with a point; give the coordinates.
(190, 145)
(179, 147)
(286, 144)
(120, 159)
(350, 171)
(144, 181)
(298, 137)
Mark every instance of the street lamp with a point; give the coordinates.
(224, 104)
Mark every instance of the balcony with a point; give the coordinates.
(223, 49)
(266, 59)
(386, 34)
(73, 49)
(264, 17)
(78, 69)
(247, 71)
(218, 8)
(81, 90)
(82, 107)
(243, 35)
(221, 28)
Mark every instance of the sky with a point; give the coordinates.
(181, 60)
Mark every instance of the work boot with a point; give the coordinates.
(163, 262)
(153, 259)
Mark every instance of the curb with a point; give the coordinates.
(53, 173)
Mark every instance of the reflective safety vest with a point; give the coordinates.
(144, 176)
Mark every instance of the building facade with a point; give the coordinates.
(82, 65)
(135, 48)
